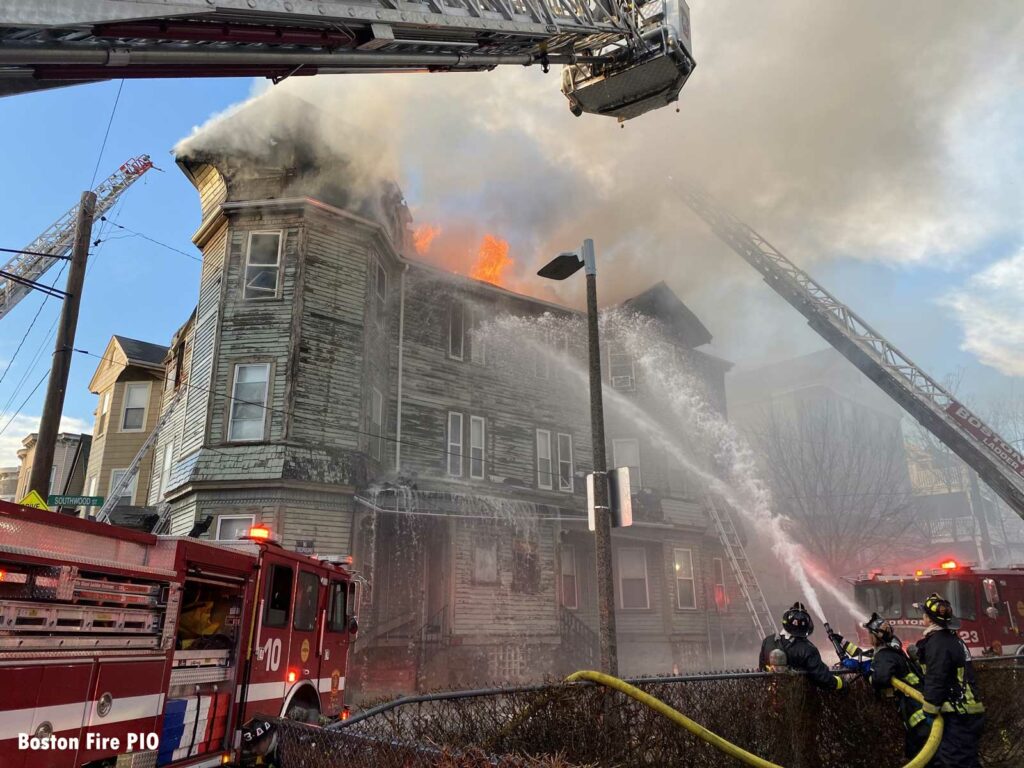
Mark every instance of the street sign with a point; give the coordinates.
(75, 501)
(619, 498)
(33, 499)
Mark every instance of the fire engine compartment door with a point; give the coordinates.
(34, 695)
(127, 698)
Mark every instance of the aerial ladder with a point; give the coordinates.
(993, 457)
(19, 274)
(621, 57)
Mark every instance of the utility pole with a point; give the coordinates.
(53, 406)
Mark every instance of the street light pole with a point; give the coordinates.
(560, 268)
(602, 512)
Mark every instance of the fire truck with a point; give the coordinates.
(988, 602)
(118, 647)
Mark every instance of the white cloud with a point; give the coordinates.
(23, 425)
(990, 310)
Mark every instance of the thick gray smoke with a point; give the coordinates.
(862, 130)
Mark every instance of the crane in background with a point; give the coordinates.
(621, 58)
(994, 458)
(19, 275)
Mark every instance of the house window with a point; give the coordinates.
(565, 468)
(455, 444)
(633, 578)
(136, 400)
(92, 485)
(248, 416)
(485, 562)
(477, 438)
(101, 421)
(376, 423)
(262, 265)
(456, 331)
(626, 453)
(127, 494)
(718, 573)
(544, 466)
(234, 527)
(570, 588)
(525, 566)
(620, 368)
(165, 471)
(477, 346)
(686, 592)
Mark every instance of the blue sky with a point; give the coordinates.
(925, 180)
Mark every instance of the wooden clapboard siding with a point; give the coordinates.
(211, 187)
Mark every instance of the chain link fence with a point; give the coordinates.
(779, 717)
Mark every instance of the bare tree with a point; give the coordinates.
(839, 472)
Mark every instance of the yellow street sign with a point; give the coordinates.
(33, 499)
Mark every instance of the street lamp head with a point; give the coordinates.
(562, 266)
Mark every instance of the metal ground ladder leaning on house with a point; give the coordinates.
(764, 622)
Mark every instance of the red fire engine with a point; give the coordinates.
(115, 642)
(989, 603)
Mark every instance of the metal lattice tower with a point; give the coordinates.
(55, 243)
(995, 460)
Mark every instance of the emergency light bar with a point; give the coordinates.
(261, 533)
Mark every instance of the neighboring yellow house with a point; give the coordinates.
(129, 382)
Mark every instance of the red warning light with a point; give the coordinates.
(292, 675)
(918, 572)
(948, 565)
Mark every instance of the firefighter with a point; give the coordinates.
(889, 662)
(949, 685)
(801, 653)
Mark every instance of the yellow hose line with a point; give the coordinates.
(922, 758)
(675, 716)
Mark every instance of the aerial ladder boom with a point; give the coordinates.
(995, 460)
(622, 57)
(55, 243)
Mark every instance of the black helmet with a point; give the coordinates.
(938, 609)
(880, 628)
(797, 621)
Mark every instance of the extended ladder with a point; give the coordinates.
(764, 623)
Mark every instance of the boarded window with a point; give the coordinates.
(626, 453)
(633, 578)
(525, 566)
(570, 588)
(456, 330)
(477, 436)
(306, 601)
(136, 398)
(279, 596)
(544, 464)
(485, 562)
(686, 593)
(249, 402)
(455, 444)
(262, 265)
(565, 468)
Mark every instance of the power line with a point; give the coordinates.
(33, 285)
(271, 409)
(133, 233)
(35, 253)
(24, 402)
(106, 134)
(27, 332)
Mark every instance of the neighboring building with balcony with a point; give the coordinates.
(129, 383)
(70, 457)
(360, 402)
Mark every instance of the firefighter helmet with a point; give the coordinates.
(938, 609)
(797, 621)
(880, 628)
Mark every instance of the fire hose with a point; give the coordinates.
(919, 761)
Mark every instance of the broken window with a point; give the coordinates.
(686, 592)
(544, 465)
(247, 420)
(262, 265)
(525, 566)
(485, 562)
(477, 435)
(455, 444)
(633, 578)
(570, 588)
(626, 453)
(565, 468)
(456, 330)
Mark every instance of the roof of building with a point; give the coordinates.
(661, 303)
(142, 352)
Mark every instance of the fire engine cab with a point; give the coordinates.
(989, 603)
(123, 648)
